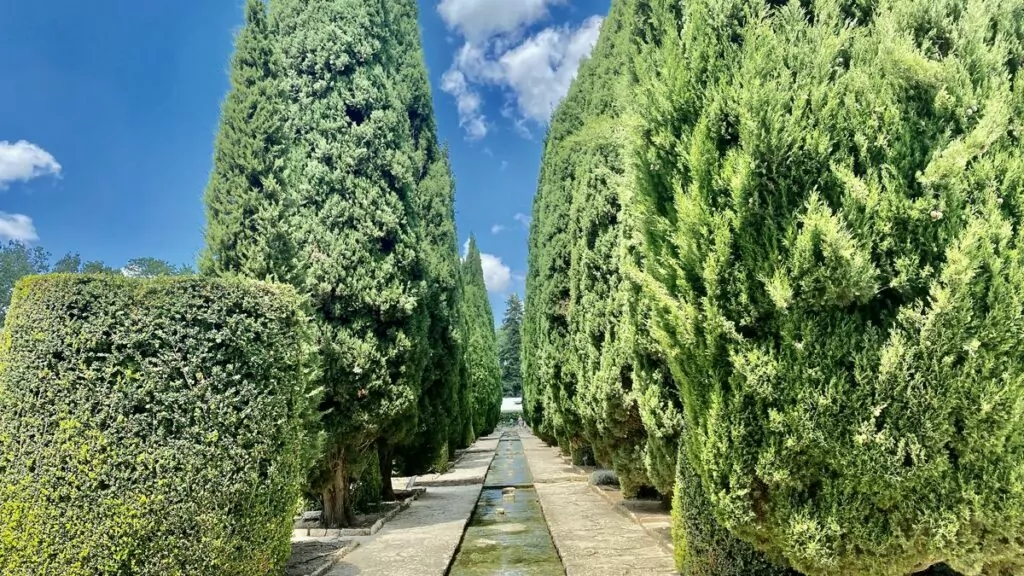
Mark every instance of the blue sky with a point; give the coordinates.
(110, 108)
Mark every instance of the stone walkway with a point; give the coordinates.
(422, 540)
(592, 538)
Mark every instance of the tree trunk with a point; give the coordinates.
(337, 505)
(387, 491)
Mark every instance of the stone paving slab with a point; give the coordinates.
(592, 538)
(422, 540)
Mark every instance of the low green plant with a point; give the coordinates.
(604, 478)
(151, 426)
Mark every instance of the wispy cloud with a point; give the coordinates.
(533, 71)
(523, 219)
(23, 161)
(497, 229)
(471, 117)
(17, 227)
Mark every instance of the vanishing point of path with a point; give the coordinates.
(591, 538)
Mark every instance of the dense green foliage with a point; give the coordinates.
(155, 426)
(510, 338)
(482, 373)
(702, 547)
(594, 381)
(548, 388)
(832, 192)
(794, 226)
(247, 210)
(441, 416)
(328, 175)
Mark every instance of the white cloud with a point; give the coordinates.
(532, 71)
(497, 229)
(468, 102)
(17, 227)
(497, 276)
(540, 69)
(504, 164)
(478, 20)
(465, 249)
(24, 161)
(523, 219)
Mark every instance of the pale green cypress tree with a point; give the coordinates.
(831, 193)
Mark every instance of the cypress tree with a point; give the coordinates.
(439, 409)
(510, 347)
(830, 193)
(548, 384)
(346, 213)
(247, 210)
(424, 220)
(483, 375)
(353, 170)
(592, 137)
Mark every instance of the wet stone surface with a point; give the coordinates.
(508, 535)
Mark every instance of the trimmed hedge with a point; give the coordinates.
(151, 426)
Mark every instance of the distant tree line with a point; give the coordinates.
(18, 259)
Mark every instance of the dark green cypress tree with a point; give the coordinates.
(439, 410)
(483, 375)
(413, 87)
(832, 192)
(462, 432)
(247, 211)
(351, 179)
(510, 347)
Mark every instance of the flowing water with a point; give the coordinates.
(507, 535)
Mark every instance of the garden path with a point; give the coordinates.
(592, 538)
(422, 540)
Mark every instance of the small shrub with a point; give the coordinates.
(604, 478)
(151, 426)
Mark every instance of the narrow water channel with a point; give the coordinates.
(507, 535)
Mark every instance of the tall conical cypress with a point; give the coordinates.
(483, 375)
(510, 347)
(590, 137)
(428, 221)
(548, 385)
(350, 181)
(247, 209)
(438, 404)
